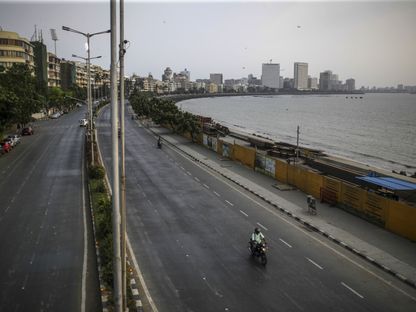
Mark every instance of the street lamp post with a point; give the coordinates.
(89, 101)
(88, 60)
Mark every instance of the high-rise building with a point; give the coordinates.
(216, 78)
(15, 49)
(186, 73)
(300, 76)
(270, 75)
(68, 74)
(350, 84)
(312, 83)
(54, 70)
(167, 74)
(40, 63)
(325, 79)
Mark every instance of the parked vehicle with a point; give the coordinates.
(15, 138)
(27, 131)
(83, 122)
(56, 115)
(5, 147)
(9, 141)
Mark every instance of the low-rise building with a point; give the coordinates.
(15, 50)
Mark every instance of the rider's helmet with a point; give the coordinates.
(257, 230)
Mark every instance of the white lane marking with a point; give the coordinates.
(189, 173)
(229, 203)
(196, 179)
(319, 241)
(314, 263)
(287, 244)
(217, 194)
(262, 226)
(206, 186)
(150, 203)
(283, 218)
(25, 281)
(139, 273)
(84, 264)
(352, 290)
(244, 213)
(33, 258)
(182, 168)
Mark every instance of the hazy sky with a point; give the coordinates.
(373, 42)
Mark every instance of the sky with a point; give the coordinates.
(373, 42)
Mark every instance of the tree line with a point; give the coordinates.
(21, 96)
(165, 112)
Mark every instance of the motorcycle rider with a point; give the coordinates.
(159, 142)
(257, 238)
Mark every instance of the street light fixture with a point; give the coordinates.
(88, 60)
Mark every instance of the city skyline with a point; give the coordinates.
(234, 38)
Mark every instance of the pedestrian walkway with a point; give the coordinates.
(384, 249)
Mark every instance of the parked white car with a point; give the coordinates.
(56, 115)
(14, 138)
(83, 122)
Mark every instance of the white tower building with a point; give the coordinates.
(270, 75)
(300, 75)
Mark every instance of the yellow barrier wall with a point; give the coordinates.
(401, 219)
(219, 147)
(314, 183)
(300, 178)
(375, 206)
(245, 155)
(281, 171)
(352, 196)
(334, 186)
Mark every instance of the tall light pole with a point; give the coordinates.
(88, 36)
(122, 51)
(118, 296)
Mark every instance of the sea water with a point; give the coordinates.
(378, 129)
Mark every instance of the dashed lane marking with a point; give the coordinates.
(262, 226)
(189, 173)
(352, 290)
(206, 186)
(314, 263)
(196, 179)
(229, 203)
(286, 243)
(244, 213)
(217, 194)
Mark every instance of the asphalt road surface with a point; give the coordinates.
(189, 230)
(42, 197)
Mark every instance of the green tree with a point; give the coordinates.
(188, 123)
(18, 80)
(56, 98)
(7, 109)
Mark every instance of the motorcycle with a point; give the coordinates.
(258, 251)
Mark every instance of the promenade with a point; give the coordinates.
(388, 251)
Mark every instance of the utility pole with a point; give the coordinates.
(122, 51)
(116, 185)
(297, 144)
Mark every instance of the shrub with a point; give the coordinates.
(97, 172)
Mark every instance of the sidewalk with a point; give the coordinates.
(384, 249)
